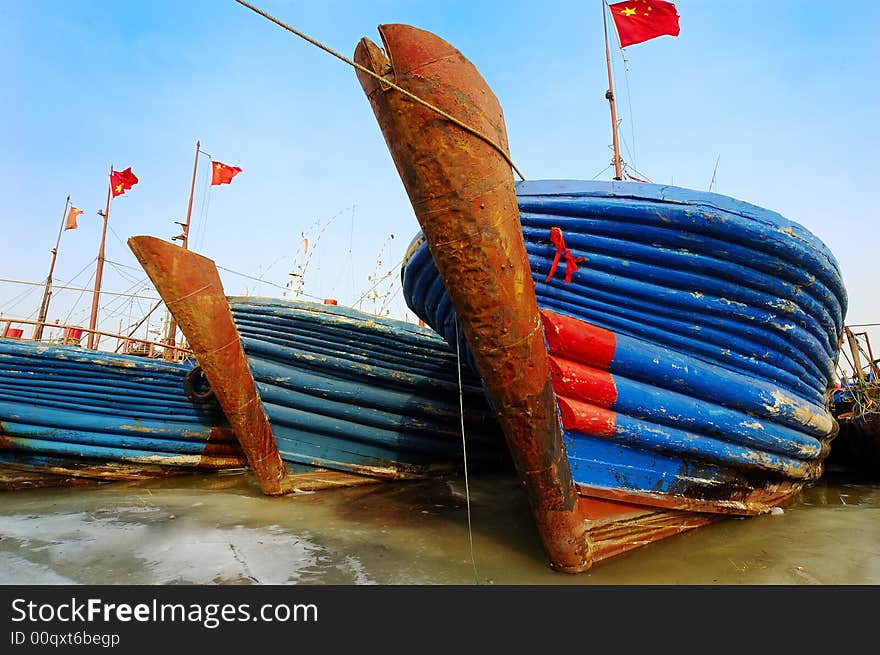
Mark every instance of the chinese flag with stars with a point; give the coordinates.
(641, 20)
(223, 173)
(122, 181)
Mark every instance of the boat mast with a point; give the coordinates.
(99, 272)
(171, 334)
(189, 207)
(854, 349)
(47, 291)
(609, 94)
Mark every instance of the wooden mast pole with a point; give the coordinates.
(189, 206)
(854, 349)
(47, 291)
(99, 272)
(171, 335)
(609, 94)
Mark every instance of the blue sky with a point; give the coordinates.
(783, 95)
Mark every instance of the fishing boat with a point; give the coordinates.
(72, 413)
(71, 416)
(657, 357)
(320, 395)
(855, 403)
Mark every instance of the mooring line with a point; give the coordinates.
(381, 79)
(467, 491)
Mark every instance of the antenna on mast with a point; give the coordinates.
(712, 182)
(609, 94)
(47, 291)
(92, 342)
(183, 237)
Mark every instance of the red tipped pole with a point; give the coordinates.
(47, 291)
(99, 272)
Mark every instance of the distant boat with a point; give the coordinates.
(658, 357)
(70, 416)
(856, 406)
(322, 395)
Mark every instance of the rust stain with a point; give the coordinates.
(191, 288)
(742, 501)
(325, 479)
(20, 476)
(463, 195)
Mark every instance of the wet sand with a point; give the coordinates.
(219, 529)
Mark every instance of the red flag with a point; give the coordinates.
(71, 218)
(641, 20)
(122, 181)
(223, 173)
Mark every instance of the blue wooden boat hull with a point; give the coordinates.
(71, 415)
(353, 392)
(691, 349)
(656, 357)
(320, 395)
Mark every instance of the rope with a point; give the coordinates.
(206, 206)
(467, 491)
(67, 288)
(632, 131)
(256, 279)
(189, 295)
(381, 79)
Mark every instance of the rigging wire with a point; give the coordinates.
(348, 265)
(113, 232)
(467, 490)
(350, 244)
(134, 268)
(298, 286)
(640, 174)
(68, 288)
(76, 302)
(600, 172)
(250, 277)
(632, 129)
(712, 181)
(394, 268)
(81, 271)
(16, 300)
(124, 274)
(206, 205)
(386, 82)
(140, 285)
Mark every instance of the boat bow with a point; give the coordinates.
(461, 187)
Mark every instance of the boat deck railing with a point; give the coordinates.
(76, 335)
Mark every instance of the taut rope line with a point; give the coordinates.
(381, 79)
(467, 489)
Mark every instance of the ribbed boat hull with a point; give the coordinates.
(323, 396)
(648, 350)
(691, 348)
(353, 392)
(69, 415)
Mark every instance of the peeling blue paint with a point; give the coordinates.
(82, 408)
(352, 391)
(726, 320)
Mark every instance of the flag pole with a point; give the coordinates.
(99, 272)
(171, 334)
(47, 291)
(609, 94)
